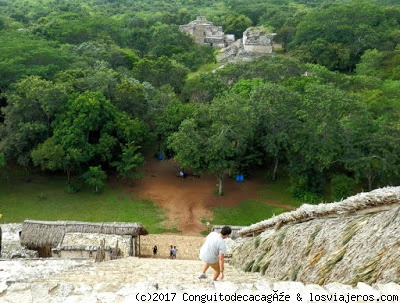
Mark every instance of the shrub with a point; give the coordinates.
(72, 187)
(341, 187)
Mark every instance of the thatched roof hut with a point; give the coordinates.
(355, 240)
(363, 203)
(38, 234)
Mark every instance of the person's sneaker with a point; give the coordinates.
(202, 276)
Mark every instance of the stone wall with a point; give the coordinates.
(205, 32)
(87, 240)
(255, 42)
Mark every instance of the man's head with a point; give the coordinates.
(226, 231)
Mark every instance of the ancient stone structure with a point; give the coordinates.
(255, 42)
(205, 32)
(86, 246)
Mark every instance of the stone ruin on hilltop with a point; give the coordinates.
(255, 41)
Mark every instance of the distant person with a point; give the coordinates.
(170, 252)
(182, 174)
(213, 252)
(208, 226)
(174, 251)
(155, 249)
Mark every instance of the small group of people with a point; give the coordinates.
(172, 252)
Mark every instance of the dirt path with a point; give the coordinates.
(189, 200)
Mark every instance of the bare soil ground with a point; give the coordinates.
(190, 199)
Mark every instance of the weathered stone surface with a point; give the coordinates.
(226, 287)
(205, 32)
(389, 288)
(255, 42)
(102, 283)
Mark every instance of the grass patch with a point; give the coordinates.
(278, 192)
(245, 213)
(206, 68)
(46, 199)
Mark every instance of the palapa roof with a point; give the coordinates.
(366, 202)
(37, 234)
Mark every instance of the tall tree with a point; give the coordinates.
(213, 140)
(316, 140)
(32, 106)
(87, 132)
(131, 97)
(161, 71)
(371, 150)
(275, 107)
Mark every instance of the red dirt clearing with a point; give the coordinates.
(191, 199)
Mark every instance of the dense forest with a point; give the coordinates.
(88, 87)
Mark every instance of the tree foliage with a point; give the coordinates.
(95, 178)
(337, 35)
(89, 87)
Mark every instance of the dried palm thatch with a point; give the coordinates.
(359, 245)
(370, 202)
(36, 234)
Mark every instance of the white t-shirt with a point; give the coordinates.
(213, 246)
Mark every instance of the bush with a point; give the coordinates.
(306, 196)
(72, 187)
(302, 191)
(341, 187)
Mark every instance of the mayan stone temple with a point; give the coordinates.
(256, 41)
(205, 32)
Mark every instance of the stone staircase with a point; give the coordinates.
(157, 271)
(147, 279)
(119, 281)
(158, 279)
